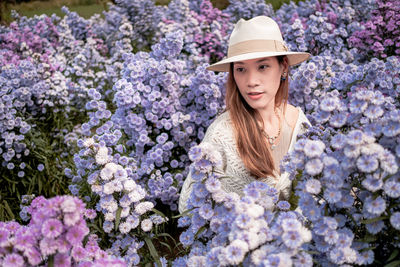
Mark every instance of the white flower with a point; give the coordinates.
(350, 254)
(219, 196)
(284, 260)
(255, 210)
(124, 227)
(112, 206)
(88, 142)
(373, 148)
(257, 256)
(305, 234)
(109, 216)
(143, 207)
(102, 156)
(253, 240)
(267, 203)
(314, 166)
(125, 212)
(108, 171)
(96, 188)
(313, 186)
(137, 194)
(129, 185)
(352, 151)
(108, 188)
(146, 225)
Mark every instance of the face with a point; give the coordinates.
(258, 80)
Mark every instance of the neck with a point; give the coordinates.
(268, 115)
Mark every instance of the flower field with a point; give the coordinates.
(101, 120)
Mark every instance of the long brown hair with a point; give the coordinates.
(251, 142)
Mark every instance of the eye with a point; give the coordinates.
(263, 67)
(239, 69)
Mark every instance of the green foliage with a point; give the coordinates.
(47, 146)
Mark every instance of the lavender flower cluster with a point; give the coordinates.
(206, 29)
(135, 93)
(379, 35)
(55, 235)
(224, 229)
(324, 27)
(348, 178)
(121, 200)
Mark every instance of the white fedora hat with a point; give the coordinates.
(257, 38)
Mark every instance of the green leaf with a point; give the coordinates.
(367, 239)
(153, 251)
(7, 207)
(393, 264)
(159, 213)
(166, 245)
(117, 218)
(185, 213)
(393, 255)
(202, 229)
(376, 219)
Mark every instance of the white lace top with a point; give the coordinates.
(220, 135)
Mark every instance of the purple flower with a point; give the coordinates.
(392, 188)
(314, 148)
(186, 238)
(236, 251)
(332, 195)
(206, 211)
(375, 206)
(395, 220)
(375, 227)
(367, 163)
(292, 239)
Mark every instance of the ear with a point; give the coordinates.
(285, 64)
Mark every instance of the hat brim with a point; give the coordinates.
(294, 58)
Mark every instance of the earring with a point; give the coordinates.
(283, 77)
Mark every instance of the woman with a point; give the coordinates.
(259, 127)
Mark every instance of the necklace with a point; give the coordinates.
(271, 139)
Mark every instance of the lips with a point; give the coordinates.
(255, 95)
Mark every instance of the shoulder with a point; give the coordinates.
(223, 120)
(221, 127)
(292, 114)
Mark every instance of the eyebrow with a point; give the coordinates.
(258, 61)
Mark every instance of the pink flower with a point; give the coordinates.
(63, 245)
(90, 214)
(78, 253)
(68, 205)
(13, 260)
(4, 234)
(75, 235)
(52, 228)
(62, 260)
(71, 219)
(48, 246)
(12, 227)
(33, 256)
(24, 240)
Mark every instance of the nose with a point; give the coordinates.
(252, 79)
